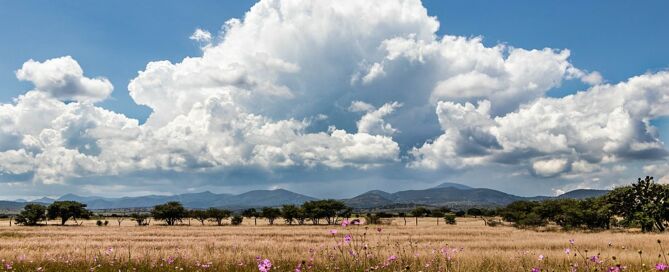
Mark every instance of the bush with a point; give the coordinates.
(236, 220)
(99, 223)
(141, 219)
(449, 218)
(372, 219)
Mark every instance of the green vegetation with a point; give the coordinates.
(66, 210)
(170, 212)
(31, 215)
(644, 204)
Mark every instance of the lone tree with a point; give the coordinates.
(171, 212)
(31, 215)
(66, 210)
(251, 213)
(199, 215)
(645, 204)
(419, 212)
(270, 214)
(218, 215)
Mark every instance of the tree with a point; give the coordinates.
(524, 214)
(140, 219)
(171, 212)
(199, 215)
(329, 209)
(438, 214)
(66, 210)
(419, 212)
(252, 212)
(270, 214)
(404, 216)
(31, 215)
(300, 216)
(645, 204)
(474, 212)
(290, 213)
(218, 215)
(119, 219)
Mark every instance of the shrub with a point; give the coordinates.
(236, 220)
(450, 218)
(140, 219)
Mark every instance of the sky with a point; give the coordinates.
(330, 99)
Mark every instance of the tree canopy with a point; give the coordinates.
(171, 212)
(31, 215)
(66, 210)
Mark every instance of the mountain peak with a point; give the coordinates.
(453, 185)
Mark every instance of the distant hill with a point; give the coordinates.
(371, 199)
(258, 198)
(446, 194)
(454, 195)
(438, 196)
(44, 200)
(453, 185)
(583, 193)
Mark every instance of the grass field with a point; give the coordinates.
(467, 246)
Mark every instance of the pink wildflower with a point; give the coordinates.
(534, 269)
(265, 265)
(661, 267)
(614, 269)
(595, 259)
(541, 257)
(392, 258)
(333, 231)
(345, 223)
(347, 238)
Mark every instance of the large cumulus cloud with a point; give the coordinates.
(327, 85)
(607, 123)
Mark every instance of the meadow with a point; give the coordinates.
(467, 246)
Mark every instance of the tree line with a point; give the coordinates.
(643, 205)
(172, 213)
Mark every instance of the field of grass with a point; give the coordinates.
(467, 246)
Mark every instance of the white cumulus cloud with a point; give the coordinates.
(64, 79)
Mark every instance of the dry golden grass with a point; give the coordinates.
(470, 245)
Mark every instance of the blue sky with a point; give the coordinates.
(115, 40)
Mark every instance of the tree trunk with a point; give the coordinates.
(255, 221)
(416, 220)
(405, 221)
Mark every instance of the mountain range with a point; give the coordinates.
(445, 194)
